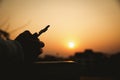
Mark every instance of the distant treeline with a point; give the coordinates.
(89, 58)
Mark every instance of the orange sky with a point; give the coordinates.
(93, 24)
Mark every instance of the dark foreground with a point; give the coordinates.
(59, 71)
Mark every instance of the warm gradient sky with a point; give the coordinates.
(93, 24)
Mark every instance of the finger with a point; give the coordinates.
(26, 33)
(41, 44)
(37, 52)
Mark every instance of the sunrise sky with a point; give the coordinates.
(76, 25)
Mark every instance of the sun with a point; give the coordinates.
(71, 44)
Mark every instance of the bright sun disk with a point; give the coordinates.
(71, 44)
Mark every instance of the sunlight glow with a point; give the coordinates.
(76, 25)
(71, 44)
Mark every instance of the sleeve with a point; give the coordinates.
(11, 52)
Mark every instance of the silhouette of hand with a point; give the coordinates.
(32, 46)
